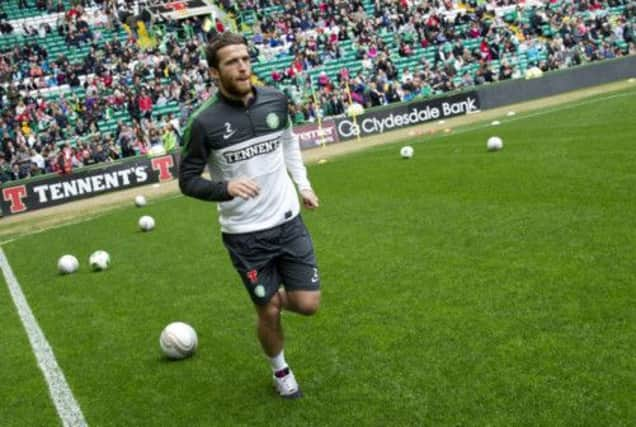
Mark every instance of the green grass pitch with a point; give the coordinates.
(460, 287)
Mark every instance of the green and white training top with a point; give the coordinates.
(254, 141)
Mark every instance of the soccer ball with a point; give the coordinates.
(494, 143)
(406, 152)
(156, 150)
(67, 264)
(355, 109)
(99, 260)
(146, 223)
(140, 201)
(178, 340)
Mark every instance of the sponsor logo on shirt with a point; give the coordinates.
(251, 151)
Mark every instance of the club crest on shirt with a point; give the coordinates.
(259, 291)
(272, 120)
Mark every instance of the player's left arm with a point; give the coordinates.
(296, 167)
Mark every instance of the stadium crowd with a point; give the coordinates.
(57, 113)
(45, 131)
(547, 35)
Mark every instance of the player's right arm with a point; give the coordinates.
(194, 158)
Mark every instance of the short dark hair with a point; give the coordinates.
(219, 42)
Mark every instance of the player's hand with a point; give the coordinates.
(310, 200)
(242, 187)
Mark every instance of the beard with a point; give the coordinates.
(236, 89)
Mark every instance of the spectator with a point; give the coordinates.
(99, 154)
(5, 169)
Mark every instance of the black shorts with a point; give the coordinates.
(265, 260)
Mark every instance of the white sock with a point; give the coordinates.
(278, 362)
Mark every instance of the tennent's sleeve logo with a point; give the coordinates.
(272, 120)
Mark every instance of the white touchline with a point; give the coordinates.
(65, 403)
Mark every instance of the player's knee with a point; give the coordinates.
(269, 317)
(309, 304)
(270, 312)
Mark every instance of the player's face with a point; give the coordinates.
(234, 71)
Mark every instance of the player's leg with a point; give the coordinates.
(296, 265)
(269, 328)
(270, 335)
(261, 279)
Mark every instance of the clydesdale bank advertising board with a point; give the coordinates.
(404, 115)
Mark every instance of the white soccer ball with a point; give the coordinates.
(99, 260)
(146, 223)
(156, 150)
(67, 264)
(140, 201)
(178, 340)
(355, 109)
(494, 143)
(406, 152)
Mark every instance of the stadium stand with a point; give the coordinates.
(81, 83)
(392, 51)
